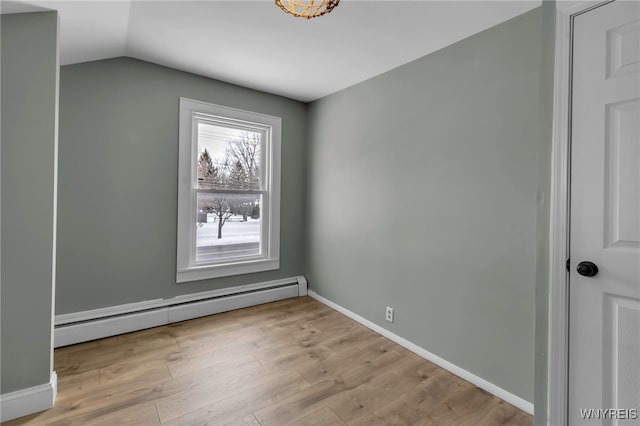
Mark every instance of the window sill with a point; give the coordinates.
(197, 273)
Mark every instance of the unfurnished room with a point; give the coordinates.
(320, 212)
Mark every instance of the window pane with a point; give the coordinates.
(228, 225)
(228, 158)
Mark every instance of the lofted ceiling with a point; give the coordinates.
(254, 44)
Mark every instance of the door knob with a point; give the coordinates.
(587, 269)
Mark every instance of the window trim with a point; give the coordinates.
(186, 269)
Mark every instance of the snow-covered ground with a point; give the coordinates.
(233, 232)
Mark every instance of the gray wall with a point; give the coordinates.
(423, 192)
(118, 181)
(29, 108)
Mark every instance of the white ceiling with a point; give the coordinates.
(254, 44)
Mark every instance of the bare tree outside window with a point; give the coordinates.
(229, 177)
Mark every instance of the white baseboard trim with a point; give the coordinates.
(28, 401)
(94, 324)
(506, 396)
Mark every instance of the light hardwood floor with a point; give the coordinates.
(294, 362)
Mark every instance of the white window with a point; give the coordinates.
(228, 191)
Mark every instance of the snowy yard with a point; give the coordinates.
(233, 232)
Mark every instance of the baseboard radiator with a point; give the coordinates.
(105, 322)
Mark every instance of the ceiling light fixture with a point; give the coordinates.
(307, 8)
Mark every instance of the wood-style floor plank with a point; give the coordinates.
(365, 399)
(414, 406)
(142, 414)
(249, 420)
(502, 413)
(291, 362)
(462, 409)
(322, 417)
(229, 409)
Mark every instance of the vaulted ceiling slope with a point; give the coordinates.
(254, 44)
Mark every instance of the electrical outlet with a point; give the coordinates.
(389, 314)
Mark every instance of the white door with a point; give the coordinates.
(604, 316)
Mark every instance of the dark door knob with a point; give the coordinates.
(587, 269)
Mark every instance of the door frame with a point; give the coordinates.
(560, 210)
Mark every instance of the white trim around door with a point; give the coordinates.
(558, 331)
